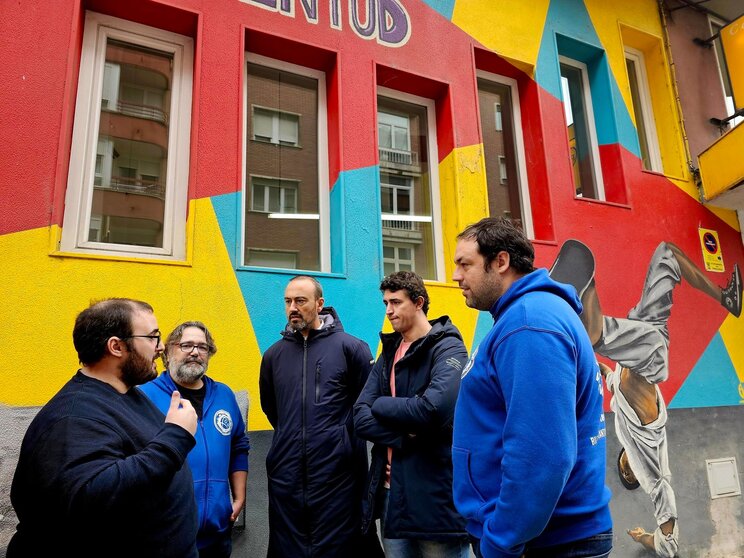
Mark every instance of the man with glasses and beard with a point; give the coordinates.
(100, 472)
(219, 462)
(316, 466)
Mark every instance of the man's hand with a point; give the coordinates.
(237, 507)
(182, 413)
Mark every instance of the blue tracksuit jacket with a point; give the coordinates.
(221, 448)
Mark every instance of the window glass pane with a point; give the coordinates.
(404, 170)
(275, 199)
(284, 96)
(288, 133)
(638, 112)
(258, 197)
(385, 135)
(284, 260)
(128, 204)
(401, 138)
(577, 122)
(499, 146)
(290, 200)
(387, 194)
(262, 124)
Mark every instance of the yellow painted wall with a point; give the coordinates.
(38, 338)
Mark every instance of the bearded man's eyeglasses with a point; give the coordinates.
(188, 347)
(154, 336)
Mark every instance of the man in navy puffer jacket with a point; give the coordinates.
(316, 466)
(529, 437)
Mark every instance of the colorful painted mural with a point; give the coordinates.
(403, 163)
(639, 345)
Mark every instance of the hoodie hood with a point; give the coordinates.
(328, 317)
(536, 281)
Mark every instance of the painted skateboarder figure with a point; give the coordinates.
(639, 344)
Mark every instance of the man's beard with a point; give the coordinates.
(188, 372)
(297, 326)
(136, 369)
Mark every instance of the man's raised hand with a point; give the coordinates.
(182, 413)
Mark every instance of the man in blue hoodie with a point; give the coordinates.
(219, 461)
(529, 435)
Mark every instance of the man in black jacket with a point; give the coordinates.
(406, 409)
(100, 473)
(316, 466)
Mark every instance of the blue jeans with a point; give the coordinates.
(597, 546)
(419, 548)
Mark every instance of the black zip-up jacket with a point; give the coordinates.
(417, 424)
(316, 465)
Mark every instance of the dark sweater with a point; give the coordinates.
(101, 474)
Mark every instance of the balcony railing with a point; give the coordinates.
(133, 186)
(398, 156)
(142, 111)
(399, 225)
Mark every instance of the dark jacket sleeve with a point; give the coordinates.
(359, 366)
(435, 407)
(92, 471)
(367, 426)
(266, 389)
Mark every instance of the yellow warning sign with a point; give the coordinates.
(711, 250)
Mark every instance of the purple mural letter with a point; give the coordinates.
(394, 27)
(310, 7)
(368, 31)
(335, 14)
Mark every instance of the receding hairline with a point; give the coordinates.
(317, 287)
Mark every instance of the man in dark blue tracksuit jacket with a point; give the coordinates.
(406, 409)
(316, 466)
(219, 461)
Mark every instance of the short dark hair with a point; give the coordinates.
(497, 234)
(101, 321)
(175, 337)
(313, 280)
(407, 281)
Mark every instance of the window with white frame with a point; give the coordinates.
(582, 133)
(274, 126)
(641, 97)
(128, 179)
(398, 257)
(271, 195)
(728, 96)
(286, 222)
(409, 183)
(503, 147)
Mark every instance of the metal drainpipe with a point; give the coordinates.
(695, 171)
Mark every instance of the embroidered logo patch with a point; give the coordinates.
(223, 422)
